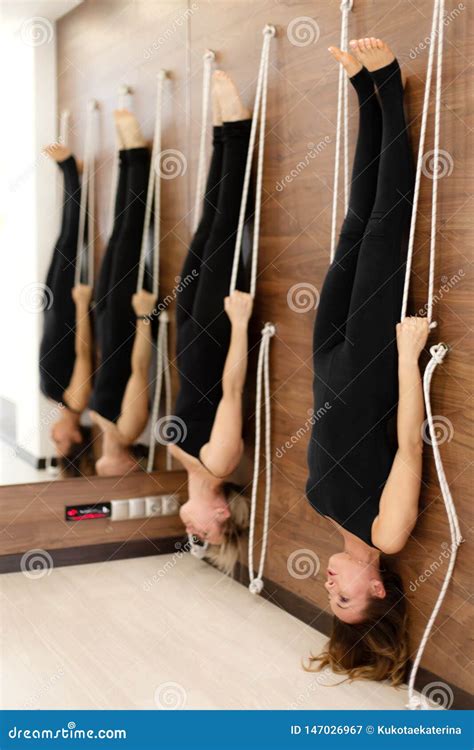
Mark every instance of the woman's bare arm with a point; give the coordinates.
(223, 451)
(398, 509)
(78, 392)
(134, 411)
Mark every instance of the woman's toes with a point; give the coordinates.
(379, 43)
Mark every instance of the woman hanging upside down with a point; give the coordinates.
(119, 403)
(66, 345)
(212, 343)
(366, 369)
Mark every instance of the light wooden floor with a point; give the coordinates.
(159, 632)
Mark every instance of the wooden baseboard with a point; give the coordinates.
(320, 620)
(93, 553)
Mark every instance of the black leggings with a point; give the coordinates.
(354, 346)
(203, 326)
(114, 316)
(57, 348)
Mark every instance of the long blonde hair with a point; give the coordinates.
(375, 649)
(225, 555)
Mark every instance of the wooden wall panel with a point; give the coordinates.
(102, 44)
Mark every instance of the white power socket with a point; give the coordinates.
(144, 507)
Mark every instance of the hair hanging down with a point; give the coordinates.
(224, 556)
(376, 649)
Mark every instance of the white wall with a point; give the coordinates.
(28, 207)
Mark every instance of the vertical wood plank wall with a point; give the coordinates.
(103, 44)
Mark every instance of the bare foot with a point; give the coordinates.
(143, 303)
(351, 65)
(128, 129)
(230, 102)
(372, 52)
(216, 108)
(57, 152)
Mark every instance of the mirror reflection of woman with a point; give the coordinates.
(212, 344)
(366, 367)
(66, 351)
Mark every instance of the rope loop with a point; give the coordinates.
(256, 586)
(439, 351)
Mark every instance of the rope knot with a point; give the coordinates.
(439, 351)
(256, 586)
(209, 54)
(269, 30)
(268, 330)
(346, 6)
(164, 317)
(433, 324)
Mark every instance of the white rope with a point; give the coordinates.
(153, 196)
(208, 59)
(124, 98)
(64, 120)
(162, 364)
(439, 351)
(260, 108)
(263, 383)
(436, 40)
(87, 205)
(342, 124)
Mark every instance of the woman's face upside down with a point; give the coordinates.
(350, 585)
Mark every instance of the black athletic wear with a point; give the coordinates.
(57, 348)
(203, 327)
(355, 355)
(114, 316)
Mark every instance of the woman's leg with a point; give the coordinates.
(376, 297)
(336, 293)
(192, 264)
(117, 322)
(216, 268)
(57, 353)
